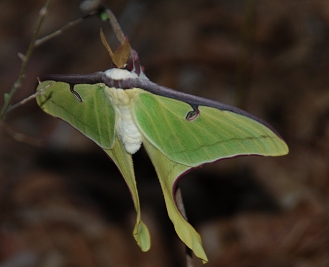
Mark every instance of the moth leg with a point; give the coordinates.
(193, 114)
(75, 93)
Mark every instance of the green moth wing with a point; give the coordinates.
(212, 135)
(123, 161)
(176, 144)
(121, 108)
(168, 172)
(95, 118)
(178, 131)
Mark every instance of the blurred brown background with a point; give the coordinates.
(65, 203)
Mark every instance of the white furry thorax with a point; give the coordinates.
(121, 100)
(120, 74)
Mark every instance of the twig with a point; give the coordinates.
(39, 42)
(25, 59)
(17, 135)
(115, 26)
(245, 53)
(27, 99)
(180, 205)
(90, 5)
(58, 32)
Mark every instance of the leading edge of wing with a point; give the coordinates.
(194, 101)
(147, 85)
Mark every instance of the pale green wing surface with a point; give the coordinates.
(95, 118)
(124, 163)
(212, 135)
(176, 145)
(168, 171)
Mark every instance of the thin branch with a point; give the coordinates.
(17, 135)
(58, 32)
(245, 53)
(90, 5)
(181, 208)
(39, 42)
(115, 26)
(27, 99)
(67, 26)
(17, 84)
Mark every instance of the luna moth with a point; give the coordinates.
(120, 109)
